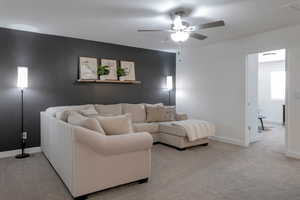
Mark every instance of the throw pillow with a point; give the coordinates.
(116, 125)
(168, 113)
(160, 113)
(153, 113)
(77, 119)
(137, 111)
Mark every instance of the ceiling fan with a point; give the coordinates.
(181, 30)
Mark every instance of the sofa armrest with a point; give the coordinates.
(114, 144)
(181, 116)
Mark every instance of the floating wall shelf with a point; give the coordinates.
(109, 81)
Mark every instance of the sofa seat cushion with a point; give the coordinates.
(109, 110)
(169, 128)
(137, 111)
(146, 127)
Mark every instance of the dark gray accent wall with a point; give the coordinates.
(53, 70)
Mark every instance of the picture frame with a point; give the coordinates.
(129, 67)
(88, 68)
(112, 64)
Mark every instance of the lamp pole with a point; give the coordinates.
(169, 86)
(170, 97)
(22, 84)
(24, 134)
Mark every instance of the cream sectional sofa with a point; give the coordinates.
(88, 162)
(162, 132)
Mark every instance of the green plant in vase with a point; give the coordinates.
(121, 73)
(103, 71)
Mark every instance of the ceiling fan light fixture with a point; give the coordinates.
(177, 24)
(180, 36)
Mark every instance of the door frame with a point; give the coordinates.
(287, 83)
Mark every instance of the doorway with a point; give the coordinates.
(266, 99)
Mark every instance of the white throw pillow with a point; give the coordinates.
(160, 113)
(77, 119)
(109, 110)
(116, 125)
(168, 114)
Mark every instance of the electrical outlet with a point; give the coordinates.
(24, 135)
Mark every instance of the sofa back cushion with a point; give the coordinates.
(109, 110)
(88, 111)
(137, 111)
(116, 125)
(77, 119)
(53, 110)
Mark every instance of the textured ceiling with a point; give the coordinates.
(116, 21)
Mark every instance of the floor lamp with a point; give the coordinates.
(22, 84)
(169, 86)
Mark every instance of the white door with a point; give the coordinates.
(252, 97)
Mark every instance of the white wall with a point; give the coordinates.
(269, 107)
(211, 83)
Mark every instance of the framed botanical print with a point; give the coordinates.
(88, 68)
(112, 64)
(128, 66)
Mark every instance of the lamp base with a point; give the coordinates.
(23, 155)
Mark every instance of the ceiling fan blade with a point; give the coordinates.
(212, 24)
(198, 36)
(154, 30)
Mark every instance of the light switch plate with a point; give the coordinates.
(24, 135)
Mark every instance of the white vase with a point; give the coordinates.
(103, 77)
(122, 78)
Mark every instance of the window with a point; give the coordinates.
(278, 85)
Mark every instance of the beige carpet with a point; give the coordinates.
(219, 171)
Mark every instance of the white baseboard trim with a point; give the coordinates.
(228, 140)
(5, 154)
(293, 155)
(272, 122)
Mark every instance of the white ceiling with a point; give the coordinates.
(116, 21)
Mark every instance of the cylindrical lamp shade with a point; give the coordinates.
(169, 82)
(22, 77)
